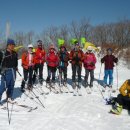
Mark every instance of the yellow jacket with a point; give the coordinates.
(125, 89)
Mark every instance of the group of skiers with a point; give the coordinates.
(33, 63)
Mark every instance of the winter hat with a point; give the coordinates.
(10, 42)
(39, 42)
(52, 47)
(89, 48)
(77, 44)
(30, 46)
(128, 82)
(109, 49)
(62, 46)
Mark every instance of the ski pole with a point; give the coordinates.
(33, 93)
(19, 73)
(117, 75)
(98, 84)
(9, 116)
(7, 107)
(38, 98)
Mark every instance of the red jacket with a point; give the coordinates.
(40, 56)
(89, 61)
(76, 57)
(109, 61)
(52, 59)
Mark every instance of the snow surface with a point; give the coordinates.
(65, 111)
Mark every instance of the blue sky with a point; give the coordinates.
(36, 15)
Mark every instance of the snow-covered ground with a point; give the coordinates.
(65, 111)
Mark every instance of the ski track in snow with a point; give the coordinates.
(65, 111)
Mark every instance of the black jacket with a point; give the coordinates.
(8, 59)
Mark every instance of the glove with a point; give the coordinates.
(77, 59)
(25, 67)
(2, 71)
(92, 63)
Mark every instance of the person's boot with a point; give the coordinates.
(85, 84)
(117, 109)
(41, 81)
(22, 89)
(73, 85)
(74, 92)
(48, 80)
(10, 100)
(79, 85)
(30, 87)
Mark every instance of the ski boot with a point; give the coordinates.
(117, 109)
(85, 84)
(10, 100)
(22, 90)
(41, 81)
(30, 87)
(73, 85)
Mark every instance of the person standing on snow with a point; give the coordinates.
(39, 61)
(63, 63)
(9, 64)
(109, 61)
(89, 65)
(123, 99)
(52, 61)
(28, 66)
(76, 57)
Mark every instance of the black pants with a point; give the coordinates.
(124, 101)
(63, 70)
(51, 71)
(28, 74)
(87, 72)
(38, 69)
(76, 68)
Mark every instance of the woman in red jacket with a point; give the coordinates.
(89, 65)
(52, 61)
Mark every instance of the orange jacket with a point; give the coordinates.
(125, 89)
(40, 56)
(27, 60)
(74, 54)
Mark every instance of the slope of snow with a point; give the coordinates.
(65, 111)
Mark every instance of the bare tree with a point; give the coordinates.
(30, 37)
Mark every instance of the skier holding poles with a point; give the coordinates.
(109, 61)
(76, 57)
(89, 65)
(28, 66)
(52, 61)
(39, 61)
(63, 63)
(9, 64)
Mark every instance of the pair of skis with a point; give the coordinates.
(29, 108)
